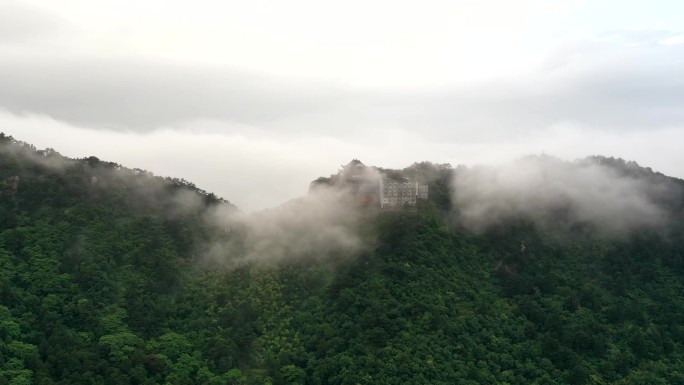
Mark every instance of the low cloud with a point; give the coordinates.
(322, 225)
(609, 193)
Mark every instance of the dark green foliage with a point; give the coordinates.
(100, 283)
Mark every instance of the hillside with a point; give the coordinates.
(111, 275)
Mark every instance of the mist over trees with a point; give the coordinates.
(538, 272)
(610, 193)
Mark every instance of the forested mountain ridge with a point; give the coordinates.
(104, 279)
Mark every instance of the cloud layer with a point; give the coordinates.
(144, 96)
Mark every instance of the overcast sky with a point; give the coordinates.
(253, 99)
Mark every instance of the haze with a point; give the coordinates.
(254, 100)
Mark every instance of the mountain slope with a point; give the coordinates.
(103, 280)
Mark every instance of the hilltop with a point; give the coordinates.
(505, 275)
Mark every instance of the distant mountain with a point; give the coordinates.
(537, 272)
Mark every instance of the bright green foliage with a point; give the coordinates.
(293, 375)
(120, 345)
(100, 282)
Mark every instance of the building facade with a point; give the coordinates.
(398, 193)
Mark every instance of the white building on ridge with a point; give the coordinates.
(371, 187)
(397, 193)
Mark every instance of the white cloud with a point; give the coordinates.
(673, 40)
(546, 189)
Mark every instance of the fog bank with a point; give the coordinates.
(322, 225)
(546, 189)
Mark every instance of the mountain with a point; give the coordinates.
(539, 272)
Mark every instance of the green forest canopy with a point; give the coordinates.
(100, 282)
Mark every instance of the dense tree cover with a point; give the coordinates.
(100, 283)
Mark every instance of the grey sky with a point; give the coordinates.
(253, 101)
(638, 89)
